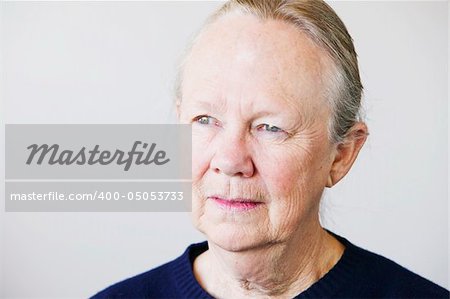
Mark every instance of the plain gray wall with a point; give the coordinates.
(114, 62)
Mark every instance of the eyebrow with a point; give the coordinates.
(214, 107)
(221, 108)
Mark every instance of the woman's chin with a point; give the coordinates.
(235, 238)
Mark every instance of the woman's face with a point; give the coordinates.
(252, 91)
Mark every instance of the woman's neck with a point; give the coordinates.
(274, 271)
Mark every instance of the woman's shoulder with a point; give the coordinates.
(371, 274)
(147, 284)
(170, 280)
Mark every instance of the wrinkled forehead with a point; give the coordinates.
(240, 53)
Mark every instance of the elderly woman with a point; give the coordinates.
(272, 91)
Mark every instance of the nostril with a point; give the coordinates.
(240, 173)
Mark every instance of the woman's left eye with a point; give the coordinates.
(269, 128)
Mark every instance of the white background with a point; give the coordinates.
(114, 62)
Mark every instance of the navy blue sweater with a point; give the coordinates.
(358, 274)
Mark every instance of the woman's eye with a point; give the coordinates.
(269, 128)
(206, 120)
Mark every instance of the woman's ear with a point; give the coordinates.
(346, 153)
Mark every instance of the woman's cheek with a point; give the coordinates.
(279, 169)
(201, 154)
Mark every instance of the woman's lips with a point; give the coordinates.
(236, 204)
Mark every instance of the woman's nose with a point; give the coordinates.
(232, 156)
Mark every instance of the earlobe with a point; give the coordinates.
(329, 181)
(347, 152)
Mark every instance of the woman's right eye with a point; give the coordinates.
(206, 120)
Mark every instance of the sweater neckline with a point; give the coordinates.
(325, 287)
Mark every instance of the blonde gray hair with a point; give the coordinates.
(323, 26)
